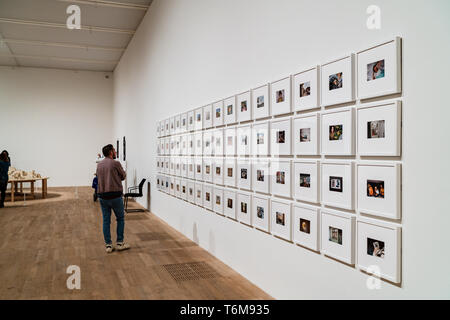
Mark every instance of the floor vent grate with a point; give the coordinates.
(190, 271)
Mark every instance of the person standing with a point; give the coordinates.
(4, 167)
(110, 175)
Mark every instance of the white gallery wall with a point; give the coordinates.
(187, 54)
(55, 121)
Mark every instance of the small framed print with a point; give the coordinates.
(199, 194)
(207, 196)
(173, 145)
(229, 108)
(172, 186)
(281, 178)
(338, 230)
(161, 129)
(167, 165)
(184, 144)
(306, 226)
(281, 132)
(158, 182)
(198, 121)
(379, 244)
(207, 143)
(306, 89)
(306, 134)
(158, 147)
(207, 170)
(306, 180)
(244, 210)
(198, 146)
(337, 81)
(379, 129)
(162, 142)
(261, 102)
(158, 164)
(158, 130)
(218, 171)
(244, 174)
(261, 139)
(261, 176)
(191, 191)
(281, 96)
(218, 145)
(244, 107)
(190, 142)
(177, 124)
(184, 167)
(172, 126)
(217, 109)
(183, 187)
(167, 185)
(167, 146)
(229, 204)
(379, 189)
(243, 140)
(167, 127)
(218, 200)
(207, 117)
(230, 172)
(261, 212)
(379, 70)
(337, 184)
(183, 122)
(280, 216)
(198, 168)
(172, 166)
(177, 162)
(191, 121)
(191, 167)
(177, 146)
(338, 132)
(230, 141)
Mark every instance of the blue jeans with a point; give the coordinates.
(117, 206)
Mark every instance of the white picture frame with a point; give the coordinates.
(230, 172)
(218, 172)
(337, 239)
(198, 168)
(184, 122)
(261, 212)
(306, 134)
(244, 174)
(190, 167)
(190, 150)
(281, 137)
(337, 184)
(178, 124)
(184, 145)
(306, 226)
(281, 219)
(184, 170)
(217, 109)
(207, 143)
(281, 178)
(207, 116)
(244, 140)
(199, 194)
(261, 176)
(177, 149)
(307, 180)
(244, 106)
(230, 141)
(167, 165)
(183, 191)
(229, 108)
(218, 200)
(198, 146)
(338, 81)
(280, 100)
(198, 124)
(172, 186)
(167, 127)
(386, 58)
(207, 169)
(191, 191)
(261, 139)
(379, 189)
(229, 204)
(261, 102)
(172, 125)
(218, 143)
(172, 166)
(379, 129)
(338, 132)
(306, 89)
(244, 207)
(177, 163)
(191, 120)
(208, 196)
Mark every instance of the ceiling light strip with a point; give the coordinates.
(61, 44)
(113, 4)
(60, 59)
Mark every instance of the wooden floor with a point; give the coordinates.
(39, 239)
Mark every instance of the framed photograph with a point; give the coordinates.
(198, 146)
(306, 134)
(190, 167)
(172, 126)
(338, 127)
(167, 127)
(337, 81)
(230, 141)
(184, 122)
(280, 216)
(230, 172)
(184, 170)
(379, 244)
(191, 191)
(208, 196)
(244, 174)
(217, 111)
(218, 171)
(244, 207)
(172, 186)
(281, 178)
(380, 70)
(306, 226)
(261, 176)
(198, 168)
(162, 146)
(218, 145)
(229, 204)
(167, 165)
(177, 163)
(198, 121)
(159, 129)
(243, 140)
(306, 89)
(183, 139)
(199, 194)
(379, 129)
(167, 185)
(229, 106)
(183, 187)
(244, 107)
(178, 124)
(218, 200)
(337, 184)
(191, 121)
(177, 145)
(158, 164)
(172, 166)
(207, 143)
(207, 169)
(281, 96)
(306, 180)
(281, 132)
(207, 117)
(337, 231)
(190, 142)
(261, 139)
(261, 212)
(168, 145)
(261, 102)
(379, 189)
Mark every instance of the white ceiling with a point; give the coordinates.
(33, 33)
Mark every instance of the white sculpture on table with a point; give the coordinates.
(15, 174)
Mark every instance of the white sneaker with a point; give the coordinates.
(109, 248)
(122, 246)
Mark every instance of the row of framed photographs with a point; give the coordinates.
(327, 231)
(378, 73)
(332, 132)
(377, 185)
